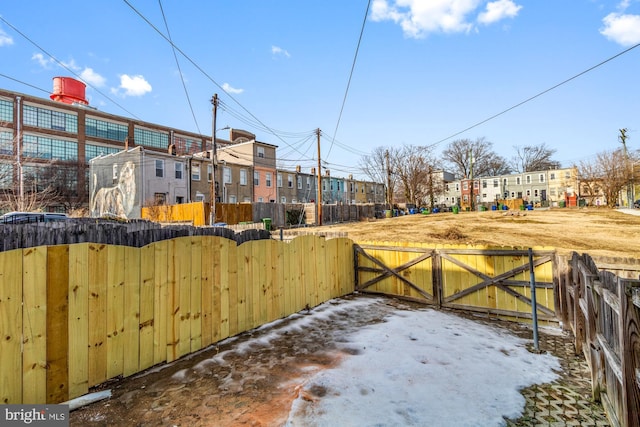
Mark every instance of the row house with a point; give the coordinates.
(297, 186)
(543, 188)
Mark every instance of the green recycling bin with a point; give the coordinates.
(267, 223)
(454, 209)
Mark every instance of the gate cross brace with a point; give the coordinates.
(394, 272)
(497, 281)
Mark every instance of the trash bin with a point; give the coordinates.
(412, 211)
(267, 223)
(387, 213)
(522, 207)
(482, 208)
(529, 207)
(505, 207)
(562, 204)
(454, 209)
(494, 208)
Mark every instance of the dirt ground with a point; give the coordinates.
(597, 231)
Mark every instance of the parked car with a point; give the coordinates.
(30, 217)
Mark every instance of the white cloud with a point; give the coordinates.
(132, 86)
(41, 60)
(91, 77)
(418, 18)
(5, 39)
(227, 88)
(278, 51)
(499, 10)
(622, 28)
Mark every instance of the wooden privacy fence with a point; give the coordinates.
(603, 310)
(495, 281)
(74, 316)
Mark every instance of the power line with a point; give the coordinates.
(353, 66)
(199, 68)
(25, 83)
(175, 57)
(537, 95)
(64, 66)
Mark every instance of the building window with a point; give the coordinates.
(283, 199)
(226, 175)
(528, 193)
(513, 194)
(528, 179)
(518, 182)
(199, 197)
(465, 185)
(256, 180)
(279, 180)
(150, 138)
(484, 183)
(506, 194)
(457, 187)
(6, 111)
(289, 181)
(299, 179)
(209, 172)
(179, 200)
(50, 119)
(504, 182)
(107, 130)
(552, 176)
(535, 193)
(243, 177)
(475, 185)
(179, 170)
(268, 179)
(92, 151)
(6, 143)
(260, 152)
(159, 168)
(233, 198)
(541, 177)
(308, 183)
(496, 183)
(260, 199)
(49, 148)
(195, 172)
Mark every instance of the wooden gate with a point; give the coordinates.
(495, 281)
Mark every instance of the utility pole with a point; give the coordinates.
(319, 201)
(214, 160)
(471, 176)
(628, 172)
(389, 192)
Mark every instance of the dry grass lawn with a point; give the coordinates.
(599, 232)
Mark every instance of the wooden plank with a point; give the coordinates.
(11, 325)
(206, 287)
(271, 261)
(57, 324)
(244, 278)
(629, 335)
(34, 353)
(258, 284)
(132, 294)
(230, 308)
(147, 300)
(78, 319)
(196, 293)
(322, 273)
(161, 312)
(182, 257)
(226, 283)
(115, 310)
(97, 268)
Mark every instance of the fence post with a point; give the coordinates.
(629, 333)
(436, 274)
(534, 304)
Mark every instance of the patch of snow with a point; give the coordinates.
(419, 368)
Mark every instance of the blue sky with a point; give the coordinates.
(426, 70)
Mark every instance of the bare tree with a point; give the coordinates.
(608, 173)
(534, 158)
(374, 166)
(463, 155)
(411, 164)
